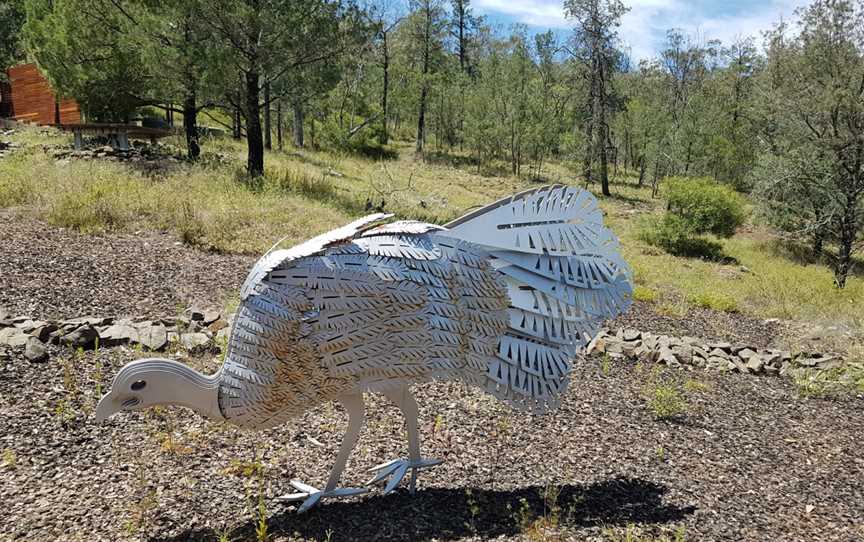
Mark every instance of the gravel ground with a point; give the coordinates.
(50, 272)
(748, 460)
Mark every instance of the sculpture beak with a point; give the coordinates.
(105, 409)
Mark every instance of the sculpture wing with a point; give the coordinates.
(316, 245)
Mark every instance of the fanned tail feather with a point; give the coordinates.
(564, 275)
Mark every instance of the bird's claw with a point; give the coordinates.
(397, 469)
(311, 495)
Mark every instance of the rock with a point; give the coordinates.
(829, 363)
(807, 362)
(720, 345)
(43, 332)
(205, 316)
(746, 353)
(667, 356)
(12, 336)
(614, 348)
(720, 364)
(718, 353)
(738, 365)
(83, 336)
(631, 334)
(120, 333)
(755, 364)
(217, 325)
(152, 336)
(4, 315)
(772, 359)
(684, 354)
(35, 351)
(223, 335)
(194, 342)
(28, 326)
(93, 321)
(629, 349)
(597, 344)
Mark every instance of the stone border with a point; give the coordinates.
(197, 330)
(194, 330)
(633, 344)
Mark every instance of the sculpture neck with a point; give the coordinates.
(184, 386)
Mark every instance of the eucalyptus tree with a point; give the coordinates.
(812, 180)
(594, 41)
(11, 21)
(83, 51)
(427, 27)
(176, 46)
(267, 41)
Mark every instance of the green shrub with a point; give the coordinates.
(643, 293)
(665, 401)
(715, 301)
(704, 206)
(674, 235)
(696, 207)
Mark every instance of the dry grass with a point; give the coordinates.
(308, 192)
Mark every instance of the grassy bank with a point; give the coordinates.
(210, 205)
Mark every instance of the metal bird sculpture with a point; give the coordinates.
(502, 299)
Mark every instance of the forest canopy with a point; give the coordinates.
(779, 115)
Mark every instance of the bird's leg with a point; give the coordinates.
(397, 468)
(310, 495)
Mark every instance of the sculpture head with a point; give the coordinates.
(146, 383)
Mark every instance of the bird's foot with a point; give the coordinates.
(396, 470)
(311, 495)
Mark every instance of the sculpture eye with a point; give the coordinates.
(139, 385)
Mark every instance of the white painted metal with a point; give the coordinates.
(502, 299)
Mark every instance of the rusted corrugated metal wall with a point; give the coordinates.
(33, 99)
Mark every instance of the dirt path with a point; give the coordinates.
(48, 272)
(748, 460)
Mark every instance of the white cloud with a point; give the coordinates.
(644, 27)
(544, 13)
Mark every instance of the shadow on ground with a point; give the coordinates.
(450, 513)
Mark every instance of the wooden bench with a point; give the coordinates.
(117, 134)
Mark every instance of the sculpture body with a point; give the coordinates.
(502, 299)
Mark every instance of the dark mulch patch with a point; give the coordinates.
(704, 323)
(748, 460)
(49, 272)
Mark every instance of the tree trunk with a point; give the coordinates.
(254, 139)
(848, 231)
(384, 138)
(268, 138)
(588, 160)
(190, 126)
(818, 241)
(641, 170)
(279, 124)
(421, 120)
(602, 128)
(298, 125)
(236, 128)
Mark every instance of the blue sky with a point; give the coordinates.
(644, 28)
